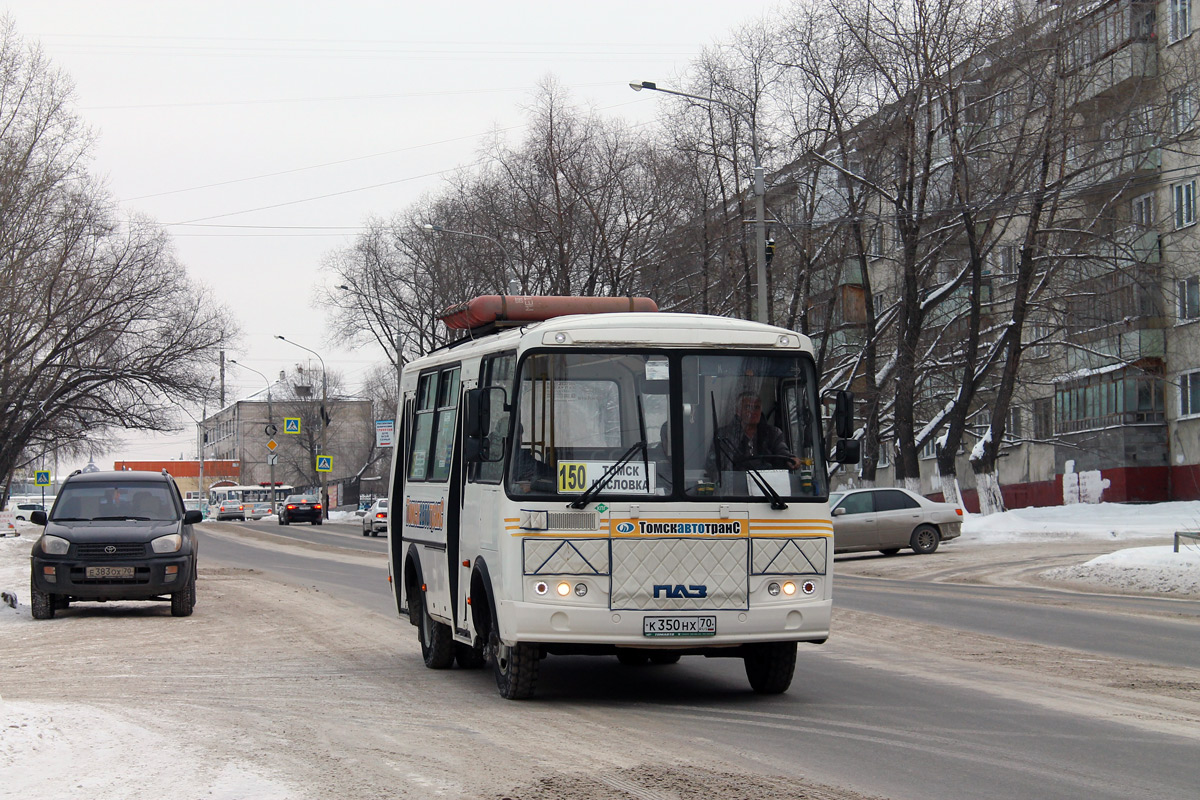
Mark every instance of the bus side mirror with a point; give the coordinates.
(843, 415)
(846, 451)
(478, 444)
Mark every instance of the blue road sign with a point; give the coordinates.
(324, 463)
(41, 478)
(291, 424)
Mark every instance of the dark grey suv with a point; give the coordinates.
(115, 536)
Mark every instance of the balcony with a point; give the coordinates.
(1125, 68)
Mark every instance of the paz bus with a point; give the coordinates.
(571, 478)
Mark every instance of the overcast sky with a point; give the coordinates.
(263, 134)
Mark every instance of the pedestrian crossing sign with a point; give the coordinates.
(41, 477)
(324, 463)
(291, 424)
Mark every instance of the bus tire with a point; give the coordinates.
(437, 642)
(770, 666)
(925, 539)
(516, 669)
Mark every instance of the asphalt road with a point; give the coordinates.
(887, 722)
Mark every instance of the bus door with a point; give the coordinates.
(483, 507)
(431, 506)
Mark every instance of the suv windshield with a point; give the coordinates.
(658, 425)
(119, 500)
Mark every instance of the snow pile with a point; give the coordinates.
(1143, 569)
(1107, 521)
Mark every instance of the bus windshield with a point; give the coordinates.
(656, 425)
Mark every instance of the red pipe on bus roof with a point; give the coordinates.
(490, 308)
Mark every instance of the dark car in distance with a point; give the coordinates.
(115, 536)
(300, 508)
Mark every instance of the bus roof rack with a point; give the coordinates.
(490, 312)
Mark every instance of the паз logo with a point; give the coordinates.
(679, 591)
(625, 527)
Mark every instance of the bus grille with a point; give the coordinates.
(719, 565)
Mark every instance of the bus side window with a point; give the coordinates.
(418, 461)
(442, 450)
(496, 371)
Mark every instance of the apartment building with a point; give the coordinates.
(1107, 405)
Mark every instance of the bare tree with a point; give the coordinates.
(101, 328)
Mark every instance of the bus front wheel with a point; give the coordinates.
(770, 665)
(516, 668)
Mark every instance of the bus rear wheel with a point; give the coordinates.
(770, 666)
(437, 642)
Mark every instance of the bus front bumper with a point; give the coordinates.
(547, 623)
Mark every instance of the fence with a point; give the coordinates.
(1193, 535)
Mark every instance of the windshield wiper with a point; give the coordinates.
(122, 517)
(600, 482)
(776, 501)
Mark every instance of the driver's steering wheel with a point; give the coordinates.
(749, 462)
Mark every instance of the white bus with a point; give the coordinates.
(250, 493)
(578, 483)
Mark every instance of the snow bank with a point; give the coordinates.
(1107, 521)
(1145, 569)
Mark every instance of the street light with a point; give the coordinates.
(270, 423)
(760, 219)
(324, 424)
(508, 259)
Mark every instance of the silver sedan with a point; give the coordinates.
(889, 520)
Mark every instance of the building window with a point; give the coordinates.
(929, 449)
(1181, 18)
(1189, 394)
(1183, 112)
(1188, 306)
(1141, 211)
(1043, 418)
(1109, 399)
(1012, 425)
(1037, 339)
(885, 449)
(1184, 197)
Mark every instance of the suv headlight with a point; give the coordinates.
(167, 544)
(55, 546)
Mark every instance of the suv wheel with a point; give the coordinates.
(183, 601)
(42, 603)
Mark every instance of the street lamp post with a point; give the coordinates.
(760, 219)
(324, 423)
(507, 259)
(270, 423)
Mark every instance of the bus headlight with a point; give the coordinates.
(540, 587)
(563, 589)
(789, 588)
(773, 589)
(580, 589)
(809, 587)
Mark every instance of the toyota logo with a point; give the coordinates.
(110, 549)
